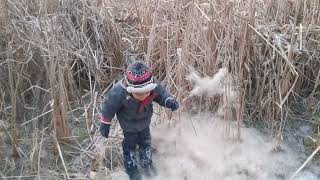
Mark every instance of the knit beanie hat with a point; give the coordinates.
(139, 78)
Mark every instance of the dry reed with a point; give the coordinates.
(57, 56)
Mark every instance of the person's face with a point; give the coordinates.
(140, 96)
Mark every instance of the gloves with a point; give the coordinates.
(104, 129)
(172, 104)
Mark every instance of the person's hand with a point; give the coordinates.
(104, 129)
(172, 104)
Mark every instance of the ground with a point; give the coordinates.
(203, 149)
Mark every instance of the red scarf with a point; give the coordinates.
(147, 100)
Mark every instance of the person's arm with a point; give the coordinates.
(110, 107)
(164, 99)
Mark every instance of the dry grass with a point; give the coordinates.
(57, 57)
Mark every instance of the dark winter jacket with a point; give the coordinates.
(133, 115)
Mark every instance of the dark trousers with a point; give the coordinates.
(130, 141)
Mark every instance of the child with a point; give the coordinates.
(131, 100)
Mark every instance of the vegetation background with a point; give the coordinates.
(58, 58)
